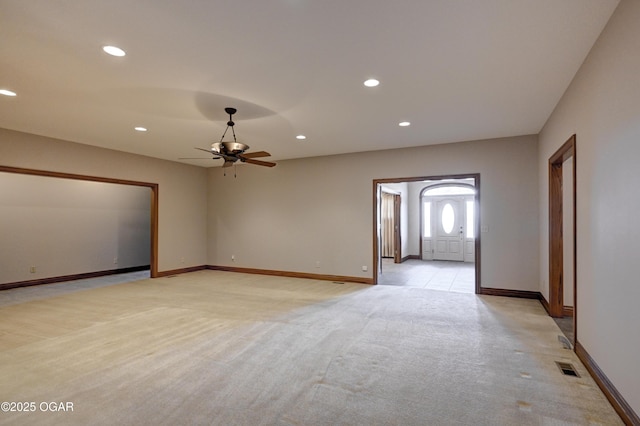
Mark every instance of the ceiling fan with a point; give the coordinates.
(231, 152)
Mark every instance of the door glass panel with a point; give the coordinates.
(426, 220)
(470, 220)
(448, 218)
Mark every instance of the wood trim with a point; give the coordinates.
(575, 240)
(181, 271)
(377, 182)
(73, 277)
(522, 294)
(334, 278)
(567, 311)
(477, 261)
(556, 302)
(48, 173)
(420, 178)
(556, 257)
(153, 256)
(545, 304)
(622, 407)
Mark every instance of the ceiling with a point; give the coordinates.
(456, 69)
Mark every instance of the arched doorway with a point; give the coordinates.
(448, 221)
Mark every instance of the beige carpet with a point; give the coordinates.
(217, 348)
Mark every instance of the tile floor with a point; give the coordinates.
(440, 275)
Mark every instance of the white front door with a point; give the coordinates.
(449, 229)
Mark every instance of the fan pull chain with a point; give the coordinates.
(224, 171)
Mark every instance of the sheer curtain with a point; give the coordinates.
(388, 249)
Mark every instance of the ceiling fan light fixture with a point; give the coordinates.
(233, 151)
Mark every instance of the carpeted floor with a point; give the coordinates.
(218, 348)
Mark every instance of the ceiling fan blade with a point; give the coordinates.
(217, 155)
(209, 151)
(257, 162)
(198, 158)
(255, 154)
(206, 150)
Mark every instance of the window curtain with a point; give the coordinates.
(388, 249)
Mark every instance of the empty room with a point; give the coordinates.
(312, 213)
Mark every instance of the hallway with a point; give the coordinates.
(440, 275)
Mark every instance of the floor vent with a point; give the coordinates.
(567, 369)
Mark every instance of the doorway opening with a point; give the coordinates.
(390, 216)
(562, 238)
(152, 222)
(438, 232)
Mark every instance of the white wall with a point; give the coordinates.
(65, 226)
(182, 221)
(321, 209)
(602, 107)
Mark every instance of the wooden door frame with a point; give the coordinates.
(153, 256)
(556, 242)
(376, 216)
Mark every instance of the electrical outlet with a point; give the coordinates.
(364, 268)
(32, 270)
(115, 260)
(182, 260)
(317, 263)
(233, 257)
(484, 228)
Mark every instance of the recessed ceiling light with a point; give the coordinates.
(141, 129)
(301, 137)
(372, 82)
(7, 92)
(114, 51)
(404, 124)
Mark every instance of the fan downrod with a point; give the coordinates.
(230, 111)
